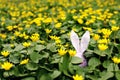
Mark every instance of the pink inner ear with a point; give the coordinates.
(84, 63)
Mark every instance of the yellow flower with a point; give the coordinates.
(114, 28)
(75, 17)
(87, 28)
(106, 32)
(58, 41)
(37, 21)
(74, 29)
(62, 51)
(47, 20)
(48, 31)
(5, 53)
(26, 36)
(115, 12)
(62, 31)
(21, 35)
(72, 52)
(27, 26)
(26, 44)
(103, 41)
(80, 21)
(42, 41)
(6, 65)
(96, 37)
(73, 11)
(20, 28)
(12, 37)
(102, 47)
(25, 61)
(12, 45)
(3, 36)
(58, 25)
(35, 37)
(77, 77)
(116, 60)
(54, 37)
(10, 28)
(17, 33)
(113, 21)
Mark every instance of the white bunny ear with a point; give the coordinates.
(84, 41)
(75, 41)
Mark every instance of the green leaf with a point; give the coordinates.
(29, 78)
(18, 47)
(110, 67)
(30, 51)
(94, 62)
(6, 74)
(106, 75)
(65, 64)
(92, 77)
(43, 55)
(76, 60)
(51, 47)
(100, 53)
(118, 47)
(32, 66)
(116, 67)
(55, 74)
(55, 58)
(71, 68)
(14, 59)
(117, 74)
(60, 67)
(7, 47)
(35, 57)
(39, 47)
(106, 63)
(45, 77)
(45, 68)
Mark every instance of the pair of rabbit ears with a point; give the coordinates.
(80, 46)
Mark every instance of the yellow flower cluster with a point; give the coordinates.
(5, 53)
(47, 20)
(25, 61)
(26, 44)
(10, 28)
(3, 36)
(72, 52)
(7, 65)
(114, 28)
(106, 32)
(116, 60)
(22, 35)
(62, 52)
(35, 37)
(58, 25)
(96, 36)
(103, 41)
(77, 77)
(48, 31)
(57, 39)
(102, 47)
